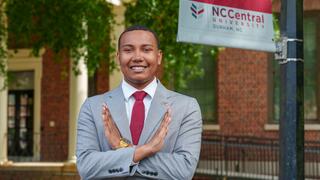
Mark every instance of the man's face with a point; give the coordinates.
(139, 57)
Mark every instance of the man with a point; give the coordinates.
(139, 130)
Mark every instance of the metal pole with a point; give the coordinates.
(291, 112)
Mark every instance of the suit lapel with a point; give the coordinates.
(156, 113)
(116, 104)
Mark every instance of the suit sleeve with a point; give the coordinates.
(182, 162)
(92, 163)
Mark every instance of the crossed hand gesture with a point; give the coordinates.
(113, 135)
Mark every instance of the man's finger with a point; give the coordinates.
(112, 127)
(104, 113)
(164, 119)
(103, 110)
(108, 111)
(169, 120)
(162, 134)
(104, 117)
(115, 125)
(164, 128)
(169, 111)
(163, 124)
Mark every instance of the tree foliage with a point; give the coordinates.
(83, 27)
(181, 60)
(2, 42)
(80, 27)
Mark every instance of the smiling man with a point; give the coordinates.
(140, 130)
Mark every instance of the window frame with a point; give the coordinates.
(272, 124)
(22, 61)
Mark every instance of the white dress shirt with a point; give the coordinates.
(128, 91)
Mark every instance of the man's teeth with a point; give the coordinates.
(138, 68)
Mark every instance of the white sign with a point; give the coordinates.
(245, 24)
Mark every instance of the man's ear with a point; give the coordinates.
(117, 57)
(159, 57)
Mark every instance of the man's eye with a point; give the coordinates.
(127, 50)
(147, 49)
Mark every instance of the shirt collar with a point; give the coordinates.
(128, 90)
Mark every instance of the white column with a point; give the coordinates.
(116, 76)
(3, 122)
(3, 102)
(78, 93)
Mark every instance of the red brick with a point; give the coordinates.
(242, 95)
(54, 107)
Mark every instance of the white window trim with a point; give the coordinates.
(307, 127)
(52, 167)
(3, 122)
(211, 127)
(24, 61)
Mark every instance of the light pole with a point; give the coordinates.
(291, 111)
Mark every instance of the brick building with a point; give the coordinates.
(239, 95)
(247, 86)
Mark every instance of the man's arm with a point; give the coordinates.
(180, 164)
(91, 162)
(157, 141)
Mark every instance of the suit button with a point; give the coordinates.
(121, 169)
(156, 173)
(152, 173)
(109, 171)
(147, 172)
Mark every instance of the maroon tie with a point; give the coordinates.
(137, 116)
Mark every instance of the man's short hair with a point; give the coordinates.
(139, 27)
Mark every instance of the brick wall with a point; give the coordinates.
(102, 79)
(243, 90)
(54, 108)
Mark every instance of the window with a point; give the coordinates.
(311, 73)
(23, 95)
(203, 88)
(20, 116)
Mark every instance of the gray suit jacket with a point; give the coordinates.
(178, 158)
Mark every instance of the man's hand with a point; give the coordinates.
(157, 141)
(111, 130)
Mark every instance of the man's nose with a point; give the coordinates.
(137, 56)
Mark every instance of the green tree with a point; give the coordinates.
(79, 27)
(181, 60)
(82, 28)
(2, 41)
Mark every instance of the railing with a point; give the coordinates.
(20, 153)
(250, 158)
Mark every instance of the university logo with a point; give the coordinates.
(197, 10)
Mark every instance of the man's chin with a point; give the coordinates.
(139, 83)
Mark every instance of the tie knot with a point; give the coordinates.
(139, 95)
